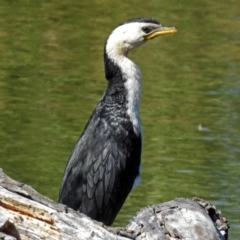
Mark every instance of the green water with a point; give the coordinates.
(51, 77)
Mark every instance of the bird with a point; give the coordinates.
(105, 162)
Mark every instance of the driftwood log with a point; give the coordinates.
(26, 214)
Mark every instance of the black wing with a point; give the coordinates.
(102, 168)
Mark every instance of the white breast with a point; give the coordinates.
(133, 86)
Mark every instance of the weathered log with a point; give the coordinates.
(26, 214)
(181, 218)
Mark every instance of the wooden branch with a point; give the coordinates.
(26, 214)
(191, 219)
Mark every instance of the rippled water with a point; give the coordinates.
(51, 77)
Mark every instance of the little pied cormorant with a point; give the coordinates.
(106, 159)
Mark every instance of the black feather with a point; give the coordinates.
(141, 20)
(105, 161)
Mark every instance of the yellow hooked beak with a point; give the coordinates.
(160, 31)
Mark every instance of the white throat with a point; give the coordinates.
(132, 75)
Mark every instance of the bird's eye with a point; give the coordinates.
(147, 29)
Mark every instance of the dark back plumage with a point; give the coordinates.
(105, 161)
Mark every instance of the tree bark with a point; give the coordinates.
(26, 214)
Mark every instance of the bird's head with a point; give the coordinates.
(134, 33)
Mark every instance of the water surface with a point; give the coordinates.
(51, 77)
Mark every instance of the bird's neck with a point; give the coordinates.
(121, 71)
